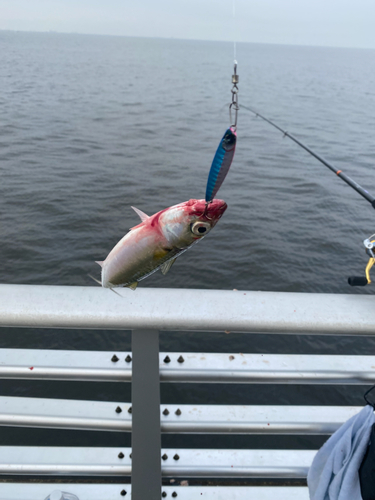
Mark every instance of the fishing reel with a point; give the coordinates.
(369, 244)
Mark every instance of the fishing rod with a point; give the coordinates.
(363, 192)
(369, 243)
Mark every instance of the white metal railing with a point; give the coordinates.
(193, 419)
(190, 463)
(145, 312)
(182, 309)
(86, 491)
(193, 367)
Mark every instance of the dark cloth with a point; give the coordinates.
(333, 475)
(367, 470)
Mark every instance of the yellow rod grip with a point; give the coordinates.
(370, 263)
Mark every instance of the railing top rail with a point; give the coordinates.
(186, 309)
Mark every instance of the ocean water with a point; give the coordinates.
(90, 125)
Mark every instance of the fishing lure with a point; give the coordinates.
(225, 152)
(221, 163)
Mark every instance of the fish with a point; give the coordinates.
(158, 240)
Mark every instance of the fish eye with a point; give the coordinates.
(200, 228)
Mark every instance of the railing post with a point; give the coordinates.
(146, 438)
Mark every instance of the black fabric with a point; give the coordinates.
(367, 470)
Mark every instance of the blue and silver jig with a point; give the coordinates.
(225, 152)
(221, 163)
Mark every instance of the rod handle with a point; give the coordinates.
(357, 281)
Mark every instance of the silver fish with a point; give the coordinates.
(158, 240)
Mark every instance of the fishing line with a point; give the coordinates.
(225, 152)
(234, 31)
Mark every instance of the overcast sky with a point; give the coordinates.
(342, 23)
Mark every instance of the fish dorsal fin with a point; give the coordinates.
(141, 214)
(100, 262)
(133, 286)
(167, 265)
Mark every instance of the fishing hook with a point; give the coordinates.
(205, 210)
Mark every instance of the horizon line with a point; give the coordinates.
(54, 32)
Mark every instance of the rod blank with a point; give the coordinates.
(363, 192)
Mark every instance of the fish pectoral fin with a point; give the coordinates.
(161, 253)
(114, 291)
(167, 265)
(141, 214)
(133, 286)
(92, 277)
(100, 262)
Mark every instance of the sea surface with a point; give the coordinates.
(90, 125)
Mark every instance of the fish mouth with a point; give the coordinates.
(212, 211)
(206, 211)
(215, 209)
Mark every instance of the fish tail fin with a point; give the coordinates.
(92, 277)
